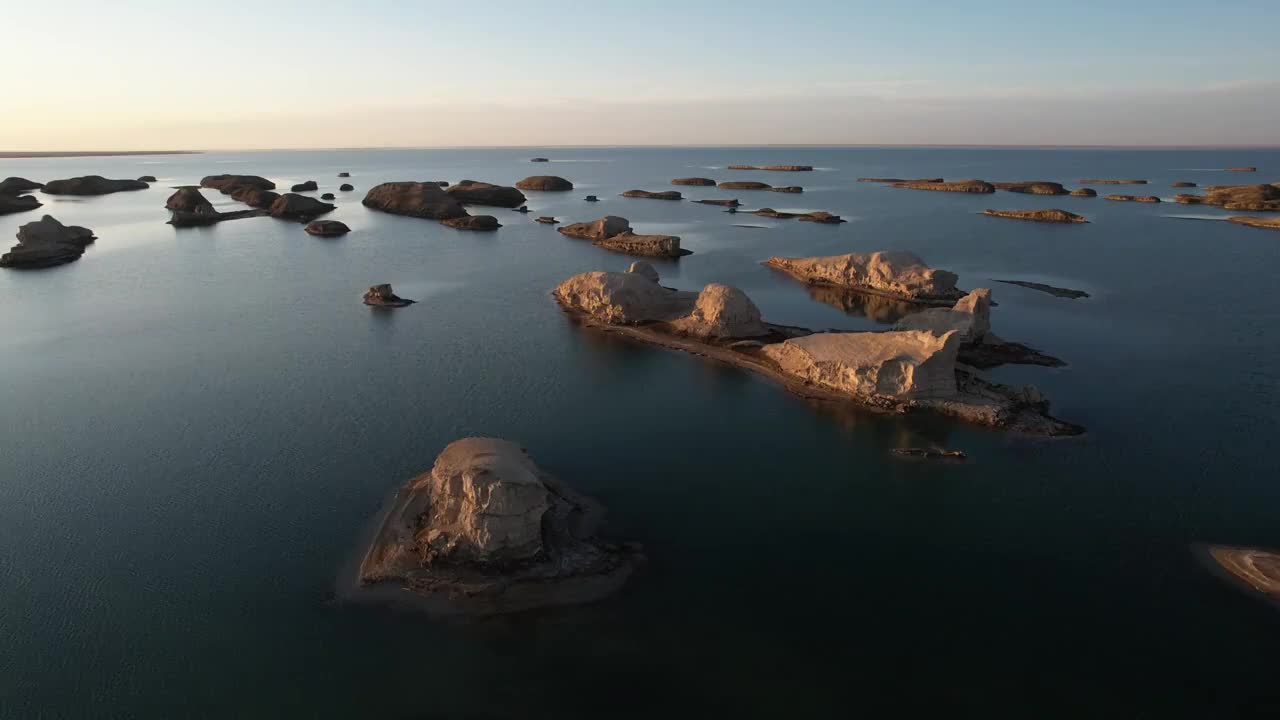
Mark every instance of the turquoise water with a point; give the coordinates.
(196, 424)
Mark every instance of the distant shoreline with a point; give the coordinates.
(18, 155)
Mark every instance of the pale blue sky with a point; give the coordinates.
(86, 74)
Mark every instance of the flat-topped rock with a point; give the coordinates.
(970, 317)
(415, 199)
(539, 159)
(910, 365)
(631, 243)
(546, 220)
(774, 168)
(1257, 198)
(301, 208)
(698, 181)
(824, 218)
(545, 183)
(1268, 223)
(1049, 289)
(1044, 216)
(472, 192)
(227, 183)
(487, 531)
(189, 199)
(722, 203)
(383, 296)
(591, 198)
(17, 203)
(1113, 182)
(743, 185)
(660, 195)
(598, 229)
(1084, 192)
(961, 186)
(1033, 187)
(18, 185)
(326, 228)
(793, 189)
(899, 180)
(45, 243)
(1134, 198)
(91, 185)
(1182, 184)
(482, 223)
(896, 273)
(344, 174)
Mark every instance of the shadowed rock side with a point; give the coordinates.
(661, 195)
(188, 198)
(970, 317)
(1084, 192)
(1050, 289)
(898, 274)
(820, 217)
(1044, 216)
(147, 178)
(327, 196)
(895, 371)
(482, 223)
(900, 180)
(1269, 223)
(733, 203)
(383, 296)
(744, 185)
(472, 192)
(326, 228)
(1134, 198)
(961, 186)
(1033, 187)
(703, 182)
(307, 186)
(17, 203)
(1255, 568)
(545, 183)
(344, 174)
(18, 185)
(487, 531)
(415, 199)
(45, 243)
(254, 196)
(1113, 182)
(774, 168)
(300, 208)
(91, 185)
(346, 187)
(614, 233)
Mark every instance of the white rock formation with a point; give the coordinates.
(622, 298)
(897, 273)
(722, 312)
(971, 317)
(910, 365)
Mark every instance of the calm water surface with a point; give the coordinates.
(195, 425)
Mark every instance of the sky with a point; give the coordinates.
(139, 75)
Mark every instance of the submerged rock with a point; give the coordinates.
(487, 531)
(1256, 570)
(663, 195)
(895, 273)
(899, 180)
(415, 199)
(703, 182)
(964, 186)
(1269, 223)
(227, 183)
(1044, 216)
(722, 203)
(1113, 182)
(383, 296)
(17, 203)
(473, 222)
(45, 243)
(471, 192)
(326, 228)
(1050, 289)
(18, 185)
(301, 208)
(91, 185)
(1033, 187)
(744, 185)
(307, 186)
(545, 183)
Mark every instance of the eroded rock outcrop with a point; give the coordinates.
(733, 203)
(383, 296)
(326, 228)
(91, 185)
(545, 183)
(1044, 216)
(1134, 198)
(628, 298)
(697, 181)
(1254, 569)
(472, 192)
(631, 243)
(1033, 187)
(18, 185)
(1267, 223)
(1084, 192)
(910, 365)
(721, 311)
(255, 197)
(970, 317)
(662, 195)
(482, 223)
(301, 208)
(147, 178)
(415, 199)
(17, 203)
(487, 531)
(897, 273)
(820, 217)
(598, 229)
(189, 199)
(962, 186)
(47, 242)
(1257, 198)
(546, 220)
(792, 189)
(1183, 185)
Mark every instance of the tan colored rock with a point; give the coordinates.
(1044, 216)
(1254, 568)
(383, 296)
(626, 298)
(908, 365)
(896, 273)
(1084, 192)
(722, 312)
(646, 245)
(898, 180)
(415, 199)
(964, 186)
(1113, 182)
(648, 195)
(1267, 223)
(599, 229)
(1242, 169)
(644, 270)
(1257, 198)
(545, 183)
(1033, 187)
(970, 317)
(327, 228)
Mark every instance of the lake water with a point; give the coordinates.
(195, 426)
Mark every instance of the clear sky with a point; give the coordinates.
(144, 74)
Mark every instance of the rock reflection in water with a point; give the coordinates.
(873, 307)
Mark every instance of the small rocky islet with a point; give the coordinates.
(47, 243)
(486, 531)
(1133, 198)
(614, 233)
(91, 185)
(1042, 216)
(653, 195)
(1256, 198)
(774, 168)
(383, 296)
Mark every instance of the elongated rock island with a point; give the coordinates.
(614, 233)
(1044, 216)
(892, 273)
(486, 531)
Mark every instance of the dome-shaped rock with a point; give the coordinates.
(545, 183)
(326, 228)
(471, 192)
(415, 199)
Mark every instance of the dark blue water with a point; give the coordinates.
(196, 424)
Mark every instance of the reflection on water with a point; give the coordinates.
(873, 307)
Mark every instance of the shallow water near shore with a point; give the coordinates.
(196, 425)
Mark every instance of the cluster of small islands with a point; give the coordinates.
(488, 531)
